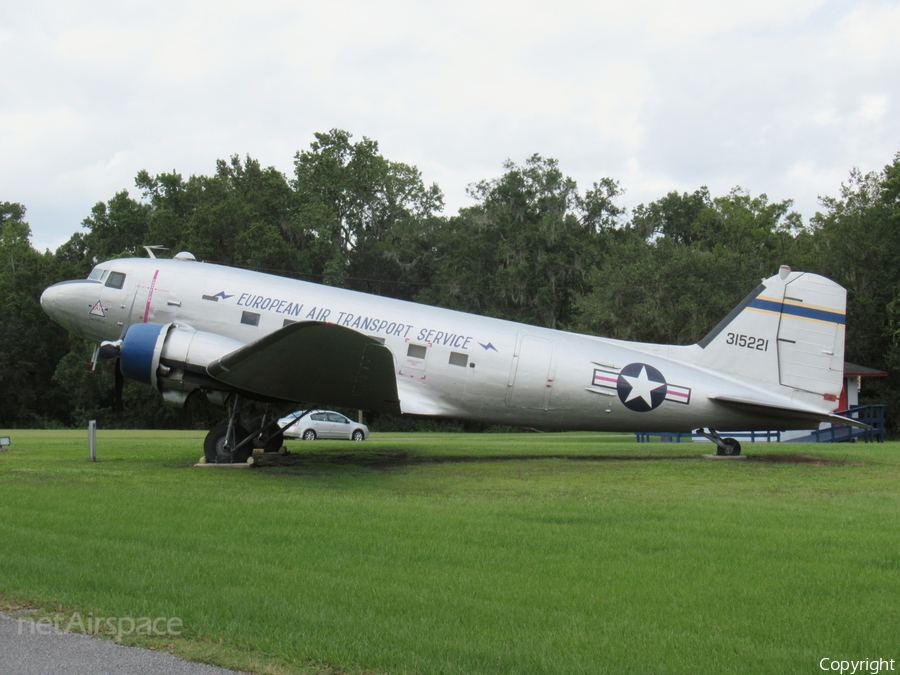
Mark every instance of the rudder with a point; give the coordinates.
(788, 332)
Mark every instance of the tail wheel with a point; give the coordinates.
(309, 435)
(214, 445)
(731, 447)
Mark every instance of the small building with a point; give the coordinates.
(853, 375)
(848, 405)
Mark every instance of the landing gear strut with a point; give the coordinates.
(726, 446)
(229, 442)
(267, 436)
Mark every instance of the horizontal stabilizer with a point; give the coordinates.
(316, 363)
(784, 412)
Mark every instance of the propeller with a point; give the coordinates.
(109, 349)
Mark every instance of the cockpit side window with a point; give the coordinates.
(115, 280)
(98, 274)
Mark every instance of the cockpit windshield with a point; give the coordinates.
(98, 274)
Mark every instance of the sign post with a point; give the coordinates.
(92, 439)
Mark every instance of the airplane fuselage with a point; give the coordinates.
(447, 363)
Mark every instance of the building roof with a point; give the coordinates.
(853, 370)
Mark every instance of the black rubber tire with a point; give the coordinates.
(309, 435)
(215, 440)
(358, 435)
(732, 448)
(267, 442)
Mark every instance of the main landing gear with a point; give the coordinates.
(726, 446)
(232, 443)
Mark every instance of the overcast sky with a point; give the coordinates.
(778, 96)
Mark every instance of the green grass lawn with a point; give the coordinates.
(464, 553)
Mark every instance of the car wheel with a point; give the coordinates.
(358, 435)
(309, 435)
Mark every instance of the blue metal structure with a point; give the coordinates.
(872, 415)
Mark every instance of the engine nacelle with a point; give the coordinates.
(172, 357)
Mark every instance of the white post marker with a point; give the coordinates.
(92, 439)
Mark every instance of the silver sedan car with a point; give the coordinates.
(323, 424)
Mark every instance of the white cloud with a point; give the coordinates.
(873, 108)
(780, 96)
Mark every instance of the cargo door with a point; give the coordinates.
(530, 379)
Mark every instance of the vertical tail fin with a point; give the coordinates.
(788, 332)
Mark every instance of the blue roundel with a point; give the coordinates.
(641, 387)
(137, 351)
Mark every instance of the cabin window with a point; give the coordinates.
(287, 322)
(416, 351)
(458, 359)
(250, 318)
(379, 340)
(115, 280)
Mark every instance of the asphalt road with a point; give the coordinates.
(25, 650)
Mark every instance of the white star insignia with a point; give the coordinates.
(642, 387)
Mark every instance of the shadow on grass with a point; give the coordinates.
(392, 459)
(796, 459)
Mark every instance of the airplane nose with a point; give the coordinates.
(48, 299)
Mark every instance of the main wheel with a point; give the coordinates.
(358, 435)
(214, 445)
(309, 435)
(268, 440)
(732, 447)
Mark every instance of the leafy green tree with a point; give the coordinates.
(211, 216)
(684, 261)
(116, 229)
(855, 242)
(675, 216)
(662, 292)
(526, 250)
(354, 206)
(31, 344)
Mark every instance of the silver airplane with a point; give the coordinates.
(183, 326)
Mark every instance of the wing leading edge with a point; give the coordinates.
(314, 363)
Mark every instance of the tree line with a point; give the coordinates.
(534, 247)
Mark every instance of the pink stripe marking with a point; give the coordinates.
(150, 296)
(600, 378)
(678, 393)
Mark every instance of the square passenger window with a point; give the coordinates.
(457, 359)
(250, 318)
(115, 280)
(417, 351)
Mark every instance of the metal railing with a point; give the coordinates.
(873, 415)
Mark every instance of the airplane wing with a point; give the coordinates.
(314, 363)
(782, 411)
